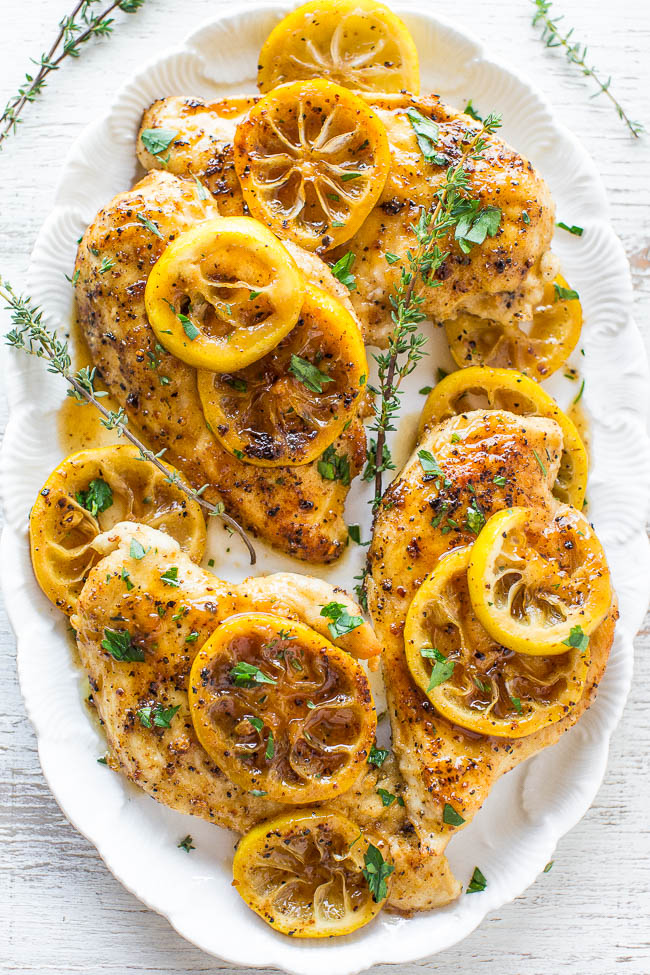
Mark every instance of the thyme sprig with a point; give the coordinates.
(32, 336)
(75, 30)
(452, 209)
(576, 53)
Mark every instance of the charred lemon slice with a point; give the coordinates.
(312, 160)
(223, 294)
(306, 874)
(471, 679)
(280, 709)
(481, 388)
(537, 351)
(359, 44)
(89, 493)
(539, 582)
(288, 407)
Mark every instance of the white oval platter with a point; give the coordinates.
(515, 833)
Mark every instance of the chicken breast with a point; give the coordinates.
(293, 508)
(440, 762)
(170, 764)
(502, 279)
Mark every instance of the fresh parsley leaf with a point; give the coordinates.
(155, 715)
(429, 463)
(308, 374)
(475, 517)
(187, 844)
(475, 224)
(342, 270)
(525, 217)
(376, 872)
(549, 866)
(189, 327)
(539, 461)
(346, 177)
(482, 685)
(471, 111)
(500, 480)
(126, 579)
(426, 133)
(257, 723)
(341, 620)
(442, 668)
(577, 639)
(377, 756)
(257, 792)
(149, 225)
(246, 675)
(270, 747)
(156, 141)
(333, 466)
(354, 531)
(425, 390)
(516, 703)
(118, 644)
(170, 577)
(565, 294)
(477, 883)
(239, 384)
(136, 550)
(387, 798)
(96, 498)
(392, 258)
(576, 231)
(451, 817)
(253, 295)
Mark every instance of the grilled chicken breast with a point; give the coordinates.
(441, 763)
(170, 764)
(502, 279)
(293, 508)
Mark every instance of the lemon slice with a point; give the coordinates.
(359, 44)
(223, 294)
(471, 679)
(306, 874)
(539, 582)
(89, 493)
(312, 160)
(482, 388)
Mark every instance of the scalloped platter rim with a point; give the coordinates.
(136, 837)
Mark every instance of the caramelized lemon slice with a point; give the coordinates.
(312, 160)
(223, 294)
(359, 44)
(280, 709)
(89, 493)
(470, 678)
(305, 874)
(538, 580)
(288, 407)
(481, 388)
(537, 351)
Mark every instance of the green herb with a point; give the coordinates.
(170, 577)
(539, 461)
(483, 685)
(477, 883)
(516, 703)
(246, 675)
(474, 224)
(387, 798)
(577, 639)
(186, 844)
(192, 637)
(354, 531)
(106, 265)
(200, 188)
(338, 223)
(549, 866)
(500, 480)
(257, 723)
(118, 644)
(149, 225)
(253, 295)
(342, 270)
(341, 620)
(346, 177)
(565, 294)
(426, 133)
(525, 217)
(475, 518)
(451, 817)
(126, 579)
(471, 111)
(156, 716)
(376, 872)
(333, 466)
(580, 392)
(442, 668)
(576, 53)
(429, 464)
(425, 390)
(136, 550)
(270, 747)
(211, 563)
(308, 374)
(239, 454)
(239, 384)
(455, 438)
(576, 231)
(257, 792)
(156, 141)
(96, 498)
(377, 756)
(392, 258)
(102, 760)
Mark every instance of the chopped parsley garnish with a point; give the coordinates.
(376, 872)
(149, 225)
(170, 577)
(246, 675)
(442, 668)
(341, 620)
(118, 644)
(539, 461)
(549, 866)
(156, 716)
(192, 637)
(426, 133)
(270, 747)
(257, 723)
(106, 265)
(576, 231)
(308, 374)
(483, 685)
(333, 466)
(137, 551)
(342, 270)
(392, 258)
(187, 844)
(156, 141)
(451, 817)
(377, 756)
(387, 798)
(577, 639)
(425, 390)
(346, 177)
(475, 517)
(565, 294)
(236, 383)
(474, 224)
(516, 703)
(471, 111)
(253, 295)
(500, 480)
(354, 531)
(257, 792)
(429, 463)
(126, 579)
(338, 223)
(477, 883)
(96, 498)
(525, 217)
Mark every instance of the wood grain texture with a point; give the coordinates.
(60, 909)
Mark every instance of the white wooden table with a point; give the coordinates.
(60, 909)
